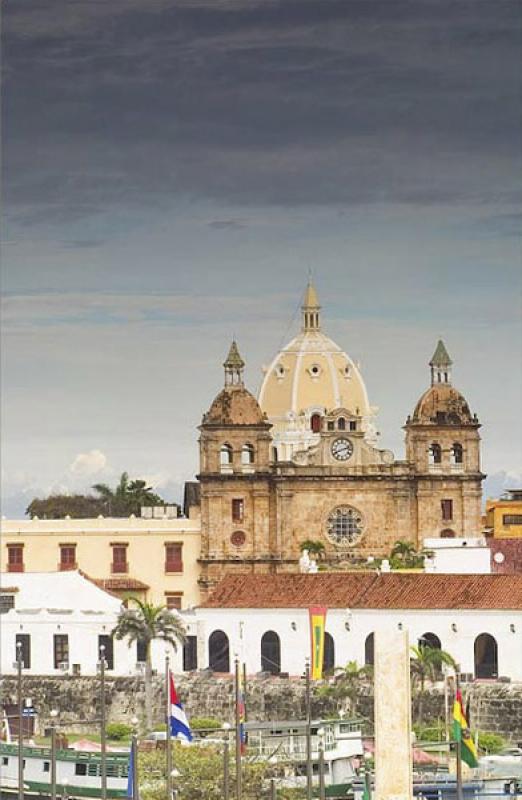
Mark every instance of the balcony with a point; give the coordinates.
(173, 566)
(16, 567)
(65, 566)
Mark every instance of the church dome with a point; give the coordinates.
(442, 404)
(310, 377)
(312, 373)
(234, 405)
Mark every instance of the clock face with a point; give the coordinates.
(342, 449)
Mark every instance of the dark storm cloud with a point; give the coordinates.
(125, 105)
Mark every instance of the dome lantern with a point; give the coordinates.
(234, 366)
(310, 310)
(440, 365)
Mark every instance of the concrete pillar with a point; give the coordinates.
(393, 756)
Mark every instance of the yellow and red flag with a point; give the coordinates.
(317, 627)
(462, 734)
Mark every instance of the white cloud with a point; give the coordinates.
(90, 463)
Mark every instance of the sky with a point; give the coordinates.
(174, 170)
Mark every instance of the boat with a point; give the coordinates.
(284, 742)
(78, 773)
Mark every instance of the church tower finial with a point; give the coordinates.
(234, 366)
(310, 309)
(440, 365)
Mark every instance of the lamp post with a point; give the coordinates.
(308, 703)
(103, 733)
(367, 776)
(134, 759)
(65, 796)
(273, 791)
(175, 773)
(320, 736)
(226, 762)
(53, 715)
(168, 743)
(20, 721)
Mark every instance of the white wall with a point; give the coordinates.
(245, 627)
(461, 556)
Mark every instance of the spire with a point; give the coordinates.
(234, 366)
(310, 309)
(440, 365)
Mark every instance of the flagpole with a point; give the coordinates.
(168, 751)
(458, 750)
(238, 729)
(308, 707)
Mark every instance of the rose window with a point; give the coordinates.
(344, 526)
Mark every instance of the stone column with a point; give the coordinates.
(393, 756)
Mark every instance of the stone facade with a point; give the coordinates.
(339, 490)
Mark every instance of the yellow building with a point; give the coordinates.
(153, 559)
(504, 516)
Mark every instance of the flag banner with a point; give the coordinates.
(179, 725)
(462, 733)
(242, 715)
(317, 628)
(130, 778)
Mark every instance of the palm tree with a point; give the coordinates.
(144, 624)
(426, 666)
(347, 682)
(128, 496)
(314, 547)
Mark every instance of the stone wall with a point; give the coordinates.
(495, 707)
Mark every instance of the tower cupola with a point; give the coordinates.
(234, 366)
(440, 365)
(310, 310)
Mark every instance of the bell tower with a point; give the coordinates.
(443, 447)
(235, 480)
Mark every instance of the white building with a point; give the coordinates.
(61, 620)
(458, 556)
(264, 620)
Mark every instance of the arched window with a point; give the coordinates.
(430, 640)
(447, 533)
(435, 454)
(271, 653)
(315, 423)
(369, 650)
(457, 454)
(247, 454)
(329, 653)
(341, 424)
(486, 656)
(218, 652)
(225, 455)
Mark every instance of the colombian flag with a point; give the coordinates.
(461, 733)
(317, 626)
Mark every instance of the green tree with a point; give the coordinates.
(426, 665)
(59, 506)
(201, 775)
(144, 624)
(314, 547)
(127, 497)
(347, 683)
(403, 555)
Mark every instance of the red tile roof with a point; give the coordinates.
(369, 590)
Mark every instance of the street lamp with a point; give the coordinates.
(367, 775)
(320, 736)
(65, 796)
(226, 764)
(103, 739)
(53, 714)
(174, 773)
(134, 759)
